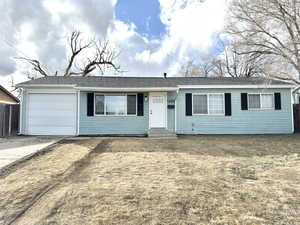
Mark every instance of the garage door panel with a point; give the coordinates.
(51, 114)
(40, 113)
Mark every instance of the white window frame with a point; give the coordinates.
(260, 99)
(115, 94)
(208, 106)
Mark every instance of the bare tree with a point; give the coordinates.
(203, 68)
(103, 57)
(241, 65)
(269, 28)
(229, 63)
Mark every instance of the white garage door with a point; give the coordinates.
(51, 114)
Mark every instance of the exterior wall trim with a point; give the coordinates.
(232, 86)
(126, 89)
(47, 86)
(51, 91)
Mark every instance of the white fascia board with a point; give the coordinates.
(232, 86)
(46, 86)
(51, 90)
(126, 89)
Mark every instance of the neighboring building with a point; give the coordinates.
(134, 105)
(6, 97)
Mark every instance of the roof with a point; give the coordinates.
(10, 95)
(145, 82)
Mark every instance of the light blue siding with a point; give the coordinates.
(241, 122)
(119, 125)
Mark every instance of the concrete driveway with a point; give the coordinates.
(14, 148)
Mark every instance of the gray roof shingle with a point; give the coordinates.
(147, 82)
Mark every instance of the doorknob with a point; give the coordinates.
(151, 112)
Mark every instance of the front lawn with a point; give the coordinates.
(230, 179)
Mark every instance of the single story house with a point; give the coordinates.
(6, 97)
(107, 105)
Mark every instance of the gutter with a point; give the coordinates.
(126, 89)
(46, 85)
(109, 89)
(232, 86)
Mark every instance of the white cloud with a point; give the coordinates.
(190, 26)
(39, 28)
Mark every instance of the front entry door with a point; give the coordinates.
(157, 109)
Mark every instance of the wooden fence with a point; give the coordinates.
(9, 119)
(297, 118)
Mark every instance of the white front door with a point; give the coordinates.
(158, 109)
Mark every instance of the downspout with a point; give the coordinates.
(177, 92)
(292, 110)
(21, 113)
(294, 92)
(78, 112)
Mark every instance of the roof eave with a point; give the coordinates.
(46, 85)
(10, 94)
(120, 89)
(232, 86)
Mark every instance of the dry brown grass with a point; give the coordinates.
(193, 180)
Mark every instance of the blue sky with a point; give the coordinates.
(144, 14)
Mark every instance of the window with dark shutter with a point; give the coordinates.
(244, 101)
(277, 99)
(188, 104)
(140, 103)
(228, 104)
(90, 104)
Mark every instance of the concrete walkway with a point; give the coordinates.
(14, 148)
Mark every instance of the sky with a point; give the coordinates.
(153, 36)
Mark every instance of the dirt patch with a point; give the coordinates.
(215, 145)
(23, 187)
(192, 180)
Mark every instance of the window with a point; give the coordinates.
(267, 101)
(200, 104)
(99, 103)
(216, 104)
(212, 104)
(254, 101)
(261, 101)
(115, 104)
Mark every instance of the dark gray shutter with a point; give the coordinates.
(131, 104)
(140, 102)
(90, 104)
(188, 104)
(227, 104)
(277, 100)
(244, 101)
